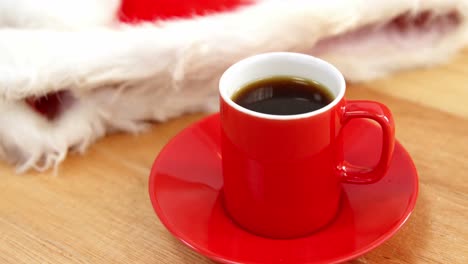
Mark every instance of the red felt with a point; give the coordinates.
(48, 105)
(149, 10)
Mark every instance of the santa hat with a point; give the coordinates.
(73, 71)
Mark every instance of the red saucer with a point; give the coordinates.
(185, 189)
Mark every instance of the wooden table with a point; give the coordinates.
(97, 209)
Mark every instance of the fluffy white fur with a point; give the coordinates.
(122, 76)
(58, 14)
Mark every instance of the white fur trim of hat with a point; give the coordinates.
(107, 75)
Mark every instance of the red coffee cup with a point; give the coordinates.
(283, 173)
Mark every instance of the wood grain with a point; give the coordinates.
(97, 210)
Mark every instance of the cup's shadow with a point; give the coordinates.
(233, 234)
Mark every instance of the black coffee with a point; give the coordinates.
(283, 95)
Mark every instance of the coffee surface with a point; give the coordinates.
(283, 95)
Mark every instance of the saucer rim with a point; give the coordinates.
(216, 257)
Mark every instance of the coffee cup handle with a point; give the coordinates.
(381, 114)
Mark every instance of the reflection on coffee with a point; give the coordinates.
(283, 95)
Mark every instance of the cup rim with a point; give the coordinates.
(322, 63)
